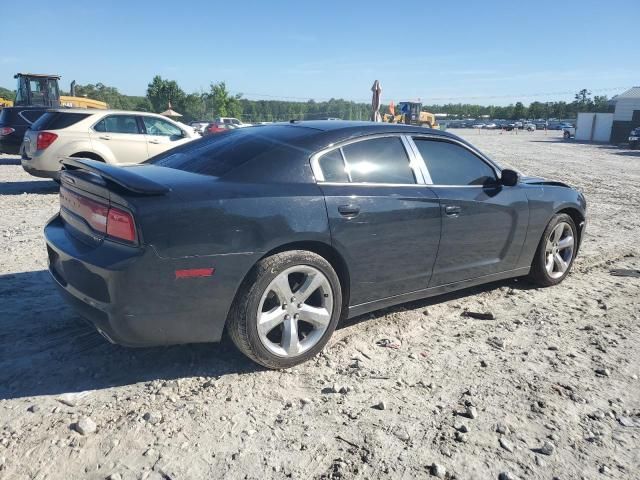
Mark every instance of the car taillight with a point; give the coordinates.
(6, 130)
(111, 221)
(45, 139)
(120, 225)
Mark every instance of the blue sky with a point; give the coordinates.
(463, 51)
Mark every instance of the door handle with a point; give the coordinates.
(105, 137)
(452, 210)
(154, 141)
(349, 210)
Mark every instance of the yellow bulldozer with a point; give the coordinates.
(36, 89)
(410, 113)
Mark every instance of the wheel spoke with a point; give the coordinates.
(549, 249)
(560, 263)
(290, 341)
(566, 242)
(270, 320)
(282, 288)
(310, 285)
(318, 317)
(549, 264)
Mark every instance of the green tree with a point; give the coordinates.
(221, 103)
(160, 92)
(519, 111)
(7, 94)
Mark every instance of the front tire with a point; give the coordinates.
(286, 309)
(566, 135)
(556, 251)
(633, 145)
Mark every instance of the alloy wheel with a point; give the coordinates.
(295, 311)
(559, 250)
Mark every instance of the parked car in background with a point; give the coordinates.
(568, 132)
(276, 233)
(634, 138)
(109, 136)
(231, 121)
(199, 126)
(530, 127)
(14, 122)
(214, 127)
(540, 125)
(491, 126)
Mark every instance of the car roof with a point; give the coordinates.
(100, 111)
(331, 131)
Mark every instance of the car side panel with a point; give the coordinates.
(544, 202)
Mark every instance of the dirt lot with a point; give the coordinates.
(549, 388)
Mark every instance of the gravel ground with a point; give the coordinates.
(547, 389)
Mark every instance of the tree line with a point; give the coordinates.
(218, 101)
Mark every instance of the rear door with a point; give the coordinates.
(161, 135)
(383, 218)
(123, 136)
(484, 223)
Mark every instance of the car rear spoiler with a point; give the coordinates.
(124, 177)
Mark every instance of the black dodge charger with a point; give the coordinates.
(277, 232)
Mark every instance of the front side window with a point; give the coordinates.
(158, 126)
(379, 160)
(451, 164)
(117, 124)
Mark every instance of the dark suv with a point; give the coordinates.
(14, 122)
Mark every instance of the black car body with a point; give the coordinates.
(203, 215)
(14, 122)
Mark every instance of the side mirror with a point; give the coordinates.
(509, 178)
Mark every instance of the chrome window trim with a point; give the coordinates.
(496, 169)
(415, 163)
(365, 184)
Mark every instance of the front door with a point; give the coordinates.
(383, 219)
(161, 135)
(484, 223)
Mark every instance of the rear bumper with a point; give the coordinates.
(39, 173)
(132, 296)
(39, 167)
(10, 145)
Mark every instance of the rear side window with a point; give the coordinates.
(379, 160)
(219, 154)
(333, 167)
(57, 120)
(118, 124)
(451, 164)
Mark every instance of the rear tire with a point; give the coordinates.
(633, 145)
(286, 309)
(566, 135)
(556, 251)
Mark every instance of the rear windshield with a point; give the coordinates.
(218, 154)
(20, 116)
(58, 120)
